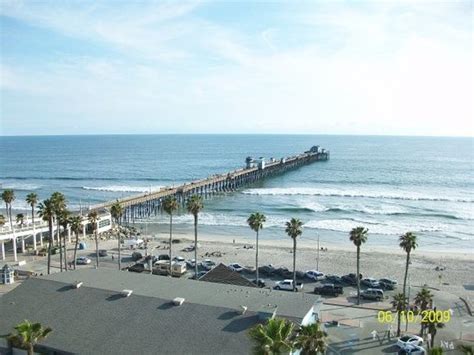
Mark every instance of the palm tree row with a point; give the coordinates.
(281, 336)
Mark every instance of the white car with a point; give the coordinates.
(179, 259)
(413, 350)
(409, 340)
(83, 260)
(236, 267)
(208, 264)
(314, 275)
(288, 285)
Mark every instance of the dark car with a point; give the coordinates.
(386, 285)
(350, 279)
(261, 283)
(334, 279)
(300, 275)
(103, 252)
(266, 270)
(136, 256)
(328, 289)
(163, 257)
(137, 268)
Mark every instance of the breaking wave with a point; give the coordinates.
(347, 193)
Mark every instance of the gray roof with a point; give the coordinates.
(95, 319)
(222, 274)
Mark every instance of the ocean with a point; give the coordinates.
(390, 185)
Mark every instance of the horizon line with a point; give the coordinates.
(229, 134)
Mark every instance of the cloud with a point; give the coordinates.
(383, 68)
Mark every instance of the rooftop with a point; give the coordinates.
(222, 274)
(95, 318)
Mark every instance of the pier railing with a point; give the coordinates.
(145, 205)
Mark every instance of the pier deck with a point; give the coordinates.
(146, 205)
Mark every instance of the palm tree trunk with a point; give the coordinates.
(406, 275)
(96, 248)
(256, 259)
(119, 245)
(195, 245)
(357, 275)
(398, 323)
(65, 251)
(50, 243)
(30, 350)
(171, 238)
(294, 264)
(75, 249)
(33, 221)
(13, 232)
(58, 233)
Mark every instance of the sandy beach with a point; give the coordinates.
(375, 262)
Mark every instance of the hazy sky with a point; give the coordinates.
(335, 67)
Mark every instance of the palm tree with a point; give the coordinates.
(433, 329)
(424, 300)
(8, 196)
(407, 243)
(20, 219)
(400, 304)
(255, 221)
(194, 206)
(170, 205)
(32, 200)
(116, 210)
(76, 226)
(93, 219)
(358, 236)
(311, 339)
(59, 201)
(294, 228)
(272, 338)
(46, 212)
(28, 335)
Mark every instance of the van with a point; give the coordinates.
(372, 294)
(162, 268)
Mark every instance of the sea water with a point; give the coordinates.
(390, 185)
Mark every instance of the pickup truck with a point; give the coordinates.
(288, 285)
(328, 289)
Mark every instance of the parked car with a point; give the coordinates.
(83, 260)
(370, 282)
(236, 267)
(389, 281)
(266, 270)
(163, 257)
(288, 285)
(208, 264)
(314, 275)
(334, 279)
(179, 259)
(328, 289)
(412, 350)
(386, 285)
(103, 252)
(350, 279)
(191, 263)
(299, 274)
(201, 274)
(162, 267)
(372, 294)
(407, 340)
(139, 267)
(261, 283)
(136, 256)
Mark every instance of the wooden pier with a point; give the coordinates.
(150, 204)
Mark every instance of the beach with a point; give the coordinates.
(375, 262)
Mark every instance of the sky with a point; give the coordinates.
(318, 67)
